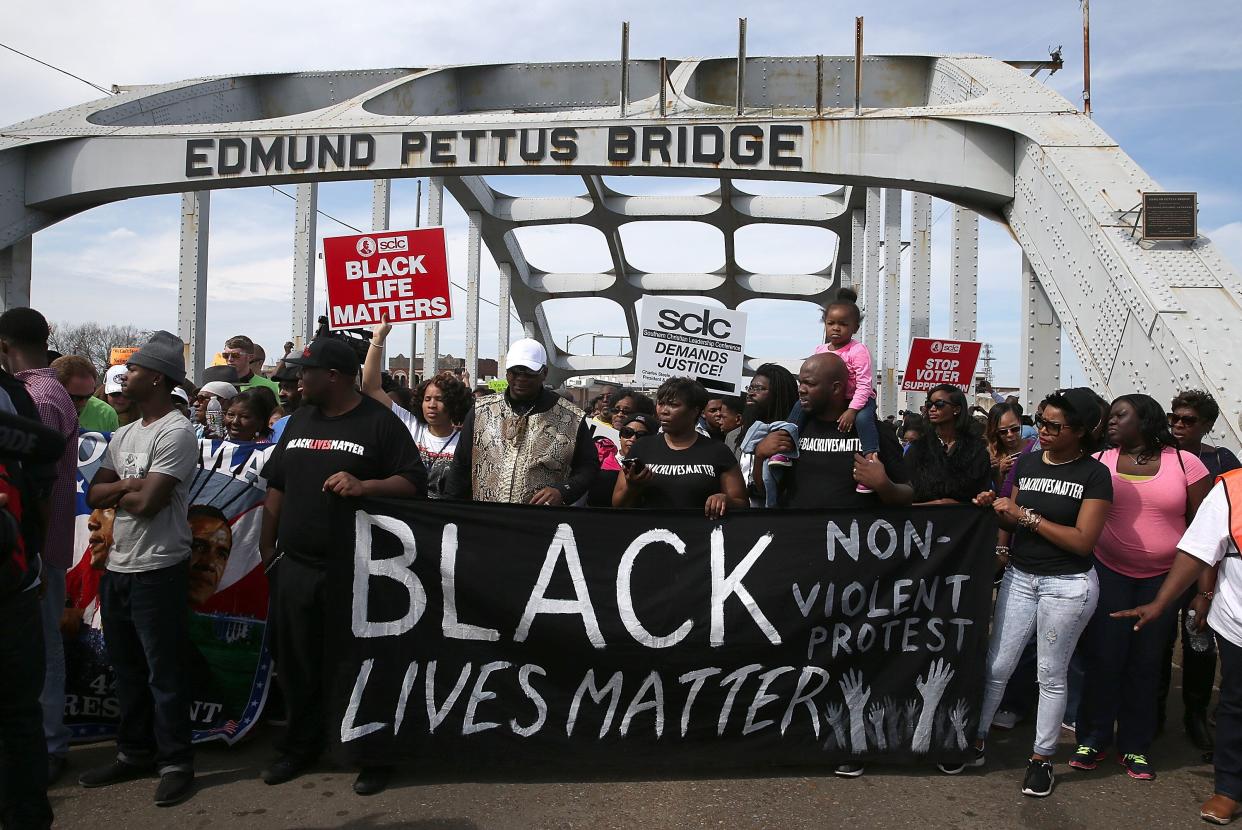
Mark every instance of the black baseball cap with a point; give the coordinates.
(287, 374)
(1086, 405)
(327, 353)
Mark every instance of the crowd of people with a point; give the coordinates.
(1117, 524)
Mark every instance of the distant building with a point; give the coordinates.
(399, 367)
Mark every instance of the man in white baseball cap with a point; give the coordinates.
(114, 391)
(533, 446)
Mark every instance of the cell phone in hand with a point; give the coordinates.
(634, 465)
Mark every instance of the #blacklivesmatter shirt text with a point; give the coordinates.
(823, 475)
(368, 442)
(1056, 492)
(682, 479)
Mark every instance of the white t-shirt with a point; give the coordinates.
(437, 453)
(167, 446)
(1208, 539)
(428, 444)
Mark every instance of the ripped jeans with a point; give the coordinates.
(1057, 609)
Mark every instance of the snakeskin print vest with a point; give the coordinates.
(517, 455)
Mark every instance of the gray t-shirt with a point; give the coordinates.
(166, 446)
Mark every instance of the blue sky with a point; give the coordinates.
(1167, 84)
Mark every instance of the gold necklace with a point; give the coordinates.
(1052, 463)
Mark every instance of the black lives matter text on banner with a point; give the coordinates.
(680, 339)
(656, 639)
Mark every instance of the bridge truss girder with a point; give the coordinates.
(972, 130)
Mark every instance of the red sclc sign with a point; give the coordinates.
(933, 362)
(402, 275)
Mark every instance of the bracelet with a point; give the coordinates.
(1208, 595)
(1002, 550)
(379, 345)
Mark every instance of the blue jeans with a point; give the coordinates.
(1022, 693)
(146, 623)
(1123, 669)
(53, 697)
(1057, 609)
(865, 426)
(771, 475)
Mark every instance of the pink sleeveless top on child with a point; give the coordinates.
(1148, 517)
(860, 384)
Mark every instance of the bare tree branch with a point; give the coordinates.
(95, 341)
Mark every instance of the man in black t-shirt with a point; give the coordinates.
(830, 463)
(338, 445)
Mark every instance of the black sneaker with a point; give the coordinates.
(114, 773)
(372, 780)
(850, 770)
(1039, 778)
(174, 787)
(55, 768)
(976, 760)
(283, 769)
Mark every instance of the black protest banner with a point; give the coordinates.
(498, 634)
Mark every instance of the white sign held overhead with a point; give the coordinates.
(681, 339)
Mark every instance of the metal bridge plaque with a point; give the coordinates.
(1170, 216)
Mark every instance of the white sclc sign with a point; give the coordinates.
(680, 339)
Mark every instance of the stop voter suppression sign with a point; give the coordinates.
(402, 275)
(933, 362)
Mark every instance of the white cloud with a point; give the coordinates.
(119, 262)
(1228, 240)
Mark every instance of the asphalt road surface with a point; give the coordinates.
(230, 794)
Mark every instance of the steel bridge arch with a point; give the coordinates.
(1152, 317)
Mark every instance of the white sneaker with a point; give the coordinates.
(850, 770)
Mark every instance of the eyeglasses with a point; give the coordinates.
(1187, 420)
(756, 388)
(939, 404)
(629, 432)
(1052, 427)
(1008, 430)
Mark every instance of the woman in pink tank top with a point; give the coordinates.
(1156, 490)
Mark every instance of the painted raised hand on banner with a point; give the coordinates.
(876, 715)
(957, 718)
(931, 688)
(836, 719)
(893, 722)
(856, 697)
(911, 718)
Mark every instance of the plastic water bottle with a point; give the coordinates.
(215, 418)
(1199, 640)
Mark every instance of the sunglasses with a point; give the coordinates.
(939, 404)
(1186, 420)
(81, 397)
(1052, 427)
(1008, 430)
(521, 373)
(629, 432)
(234, 355)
